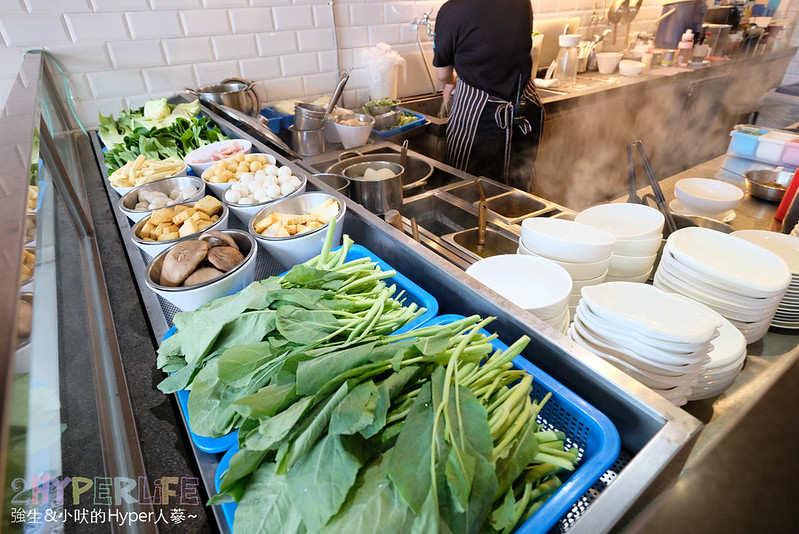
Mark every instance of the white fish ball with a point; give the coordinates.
(295, 182)
(232, 195)
(284, 171)
(246, 177)
(271, 169)
(286, 189)
(175, 193)
(245, 201)
(260, 175)
(273, 190)
(252, 186)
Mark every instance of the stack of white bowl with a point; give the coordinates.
(726, 359)
(706, 197)
(742, 281)
(638, 230)
(584, 251)
(657, 338)
(537, 285)
(787, 248)
(795, 231)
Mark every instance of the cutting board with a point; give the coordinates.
(551, 29)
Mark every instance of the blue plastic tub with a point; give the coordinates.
(420, 120)
(412, 293)
(283, 120)
(744, 142)
(585, 427)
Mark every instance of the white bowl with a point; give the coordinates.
(707, 195)
(607, 62)
(630, 67)
(566, 240)
(219, 189)
(154, 248)
(192, 297)
(641, 278)
(783, 245)
(205, 152)
(630, 265)
(354, 136)
(125, 190)
(578, 271)
(638, 247)
(538, 285)
(624, 221)
(245, 212)
(128, 202)
(578, 285)
(290, 251)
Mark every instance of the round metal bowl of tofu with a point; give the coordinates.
(142, 201)
(293, 230)
(166, 226)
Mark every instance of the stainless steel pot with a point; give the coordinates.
(307, 142)
(378, 196)
(417, 170)
(231, 92)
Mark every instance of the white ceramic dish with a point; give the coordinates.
(219, 189)
(638, 247)
(578, 285)
(290, 251)
(632, 266)
(730, 259)
(677, 208)
(783, 245)
(537, 285)
(128, 202)
(631, 68)
(192, 297)
(154, 248)
(578, 271)
(564, 240)
(653, 310)
(193, 158)
(707, 195)
(624, 221)
(639, 279)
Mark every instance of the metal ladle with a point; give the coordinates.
(629, 15)
(618, 10)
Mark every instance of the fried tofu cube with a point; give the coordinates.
(183, 215)
(187, 228)
(162, 215)
(202, 225)
(146, 229)
(208, 205)
(168, 237)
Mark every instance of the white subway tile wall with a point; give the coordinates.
(120, 52)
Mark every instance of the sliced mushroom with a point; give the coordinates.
(24, 320)
(202, 275)
(225, 258)
(182, 260)
(216, 238)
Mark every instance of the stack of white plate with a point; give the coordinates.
(795, 231)
(638, 230)
(657, 338)
(743, 282)
(726, 359)
(787, 248)
(538, 285)
(584, 251)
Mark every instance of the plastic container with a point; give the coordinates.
(276, 120)
(790, 156)
(585, 427)
(770, 146)
(744, 142)
(420, 120)
(685, 48)
(568, 59)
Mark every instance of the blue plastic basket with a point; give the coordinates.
(283, 120)
(420, 120)
(585, 427)
(412, 293)
(228, 508)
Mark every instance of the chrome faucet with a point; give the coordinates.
(425, 21)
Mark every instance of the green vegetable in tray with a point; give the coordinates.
(383, 102)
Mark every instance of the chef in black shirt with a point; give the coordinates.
(482, 55)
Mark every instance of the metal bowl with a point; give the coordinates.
(127, 204)
(767, 184)
(384, 121)
(373, 109)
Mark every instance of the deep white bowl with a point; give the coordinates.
(204, 152)
(630, 67)
(566, 240)
(354, 136)
(246, 212)
(578, 285)
(578, 271)
(624, 220)
(628, 266)
(290, 251)
(219, 189)
(129, 201)
(154, 248)
(641, 278)
(707, 195)
(638, 247)
(192, 297)
(538, 285)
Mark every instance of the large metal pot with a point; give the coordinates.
(378, 196)
(232, 92)
(417, 170)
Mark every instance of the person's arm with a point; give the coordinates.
(446, 75)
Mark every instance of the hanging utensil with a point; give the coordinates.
(415, 230)
(404, 154)
(482, 213)
(658, 192)
(336, 94)
(616, 13)
(632, 10)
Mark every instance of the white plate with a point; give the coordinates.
(784, 246)
(680, 209)
(728, 258)
(654, 311)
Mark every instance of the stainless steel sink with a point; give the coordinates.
(496, 243)
(505, 202)
(438, 216)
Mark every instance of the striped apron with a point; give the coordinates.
(466, 110)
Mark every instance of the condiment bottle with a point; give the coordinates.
(568, 59)
(787, 198)
(685, 48)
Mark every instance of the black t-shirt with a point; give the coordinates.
(488, 42)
